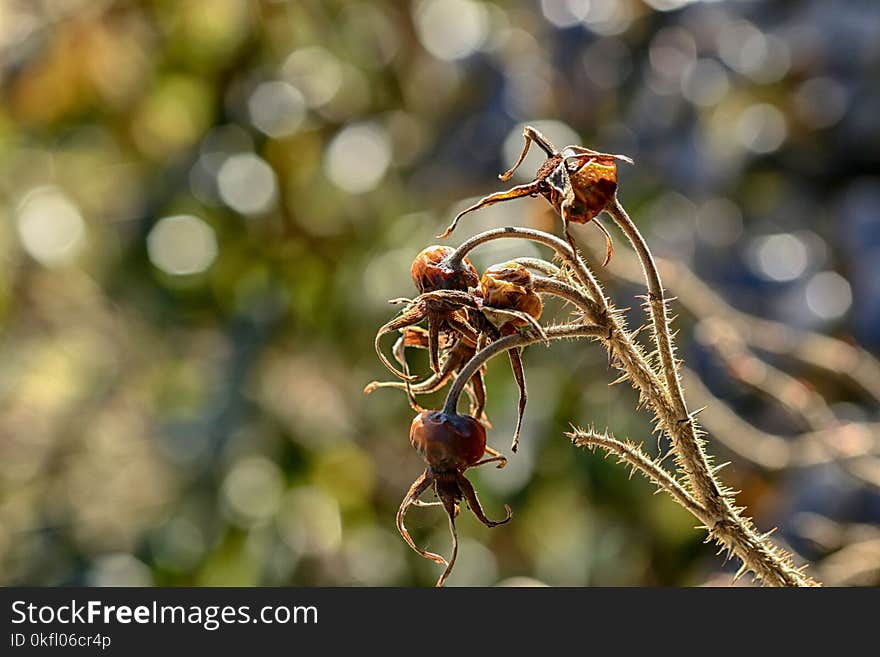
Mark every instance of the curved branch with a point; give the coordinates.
(693, 458)
(632, 454)
(502, 345)
(561, 247)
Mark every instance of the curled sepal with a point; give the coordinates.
(413, 314)
(530, 189)
(609, 243)
(451, 487)
(530, 135)
(419, 486)
(516, 365)
(451, 508)
(440, 309)
(470, 495)
(494, 457)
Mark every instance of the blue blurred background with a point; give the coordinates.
(205, 205)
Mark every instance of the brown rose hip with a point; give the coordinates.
(449, 444)
(430, 272)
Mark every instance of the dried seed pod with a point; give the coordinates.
(450, 444)
(509, 286)
(431, 271)
(578, 182)
(592, 179)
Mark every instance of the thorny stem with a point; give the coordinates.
(725, 524)
(734, 335)
(633, 454)
(694, 458)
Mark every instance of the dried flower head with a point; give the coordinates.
(467, 317)
(444, 297)
(509, 286)
(501, 303)
(578, 182)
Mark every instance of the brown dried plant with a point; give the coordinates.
(579, 192)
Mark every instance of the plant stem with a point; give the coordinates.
(562, 248)
(689, 446)
(566, 331)
(633, 454)
(725, 522)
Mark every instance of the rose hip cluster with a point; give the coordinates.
(462, 313)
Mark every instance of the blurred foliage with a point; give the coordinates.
(205, 204)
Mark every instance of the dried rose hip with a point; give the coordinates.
(509, 286)
(431, 271)
(449, 444)
(578, 182)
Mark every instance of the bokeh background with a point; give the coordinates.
(205, 205)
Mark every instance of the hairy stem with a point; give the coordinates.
(829, 355)
(725, 522)
(694, 459)
(633, 454)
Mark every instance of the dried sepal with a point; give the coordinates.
(441, 310)
(470, 495)
(579, 183)
(418, 487)
(531, 189)
(412, 314)
(515, 356)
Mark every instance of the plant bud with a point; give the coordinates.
(509, 286)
